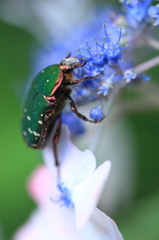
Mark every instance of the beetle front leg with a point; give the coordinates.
(74, 109)
(81, 79)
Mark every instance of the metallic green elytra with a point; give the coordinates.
(38, 106)
(45, 101)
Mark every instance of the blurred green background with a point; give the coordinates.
(139, 220)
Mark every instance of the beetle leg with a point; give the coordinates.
(56, 140)
(81, 79)
(56, 134)
(74, 109)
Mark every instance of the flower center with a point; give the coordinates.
(65, 197)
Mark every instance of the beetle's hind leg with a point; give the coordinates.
(46, 119)
(56, 140)
(74, 109)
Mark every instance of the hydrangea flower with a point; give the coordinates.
(52, 221)
(66, 206)
(77, 174)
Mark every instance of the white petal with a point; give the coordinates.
(58, 223)
(75, 165)
(34, 229)
(106, 228)
(86, 194)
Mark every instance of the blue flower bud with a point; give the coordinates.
(96, 114)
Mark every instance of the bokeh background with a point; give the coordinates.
(136, 199)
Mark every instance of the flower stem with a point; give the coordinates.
(147, 65)
(153, 43)
(97, 136)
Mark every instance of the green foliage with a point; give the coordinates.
(17, 160)
(141, 222)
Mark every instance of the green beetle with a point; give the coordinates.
(45, 101)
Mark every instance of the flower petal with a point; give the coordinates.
(107, 228)
(40, 185)
(75, 165)
(59, 223)
(86, 194)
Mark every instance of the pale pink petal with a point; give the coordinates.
(40, 185)
(53, 221)
(75, 165)
(58, 223)
(49, 223)
(34, 229)
(86, 194)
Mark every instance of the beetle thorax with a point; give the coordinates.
(68, 77)
(71, 61)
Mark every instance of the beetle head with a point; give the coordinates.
(68, 64)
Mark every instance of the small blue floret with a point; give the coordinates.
(129, 75)
(104, 89)
(96, 114)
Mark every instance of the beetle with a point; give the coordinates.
(45, 101)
